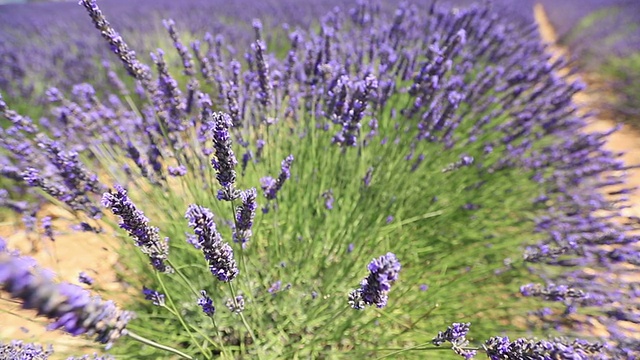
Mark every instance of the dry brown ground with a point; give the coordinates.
(87, 252)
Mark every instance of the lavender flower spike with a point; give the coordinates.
(456, 335)
(24, 351)
(224, 161)
(270, 185)
(244, 216)
(218, 254)
(375, 287)
(499, 348)
(206, 303)
(73, 308)
(137, 225)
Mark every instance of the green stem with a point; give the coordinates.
(244, 320)
(176, 313)
(154, 344)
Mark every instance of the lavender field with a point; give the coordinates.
(311, 180)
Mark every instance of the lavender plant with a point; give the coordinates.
(447, 141)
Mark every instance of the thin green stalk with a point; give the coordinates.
(177, 314)
(156, 345)
(244, 320)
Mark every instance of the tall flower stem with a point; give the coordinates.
(156, 345)
(177, 315)
(244, 320)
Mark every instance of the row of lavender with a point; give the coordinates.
(45, 41)
(431, 72)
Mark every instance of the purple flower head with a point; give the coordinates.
(499, 348)
(206, 304)
(24, 351)
(219, 254)
(137, 225)
(275, 287)
(224, 160)
(244, 216)
(456, 335)
(366, 180)
(72, 308)
(177, 171)
(154, 296)
(84, 278)
(47, 227)
(552, 292)
(374, 289)
(328, 199)
(235, 305)
(271, 186)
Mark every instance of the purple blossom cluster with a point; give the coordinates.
(206, 303)
(374, 289)
(245, 213)
(456, 334)
(24, 351)
(72, 308)
(500, 348)
(137, 225)
(271, 186)
(219, 254)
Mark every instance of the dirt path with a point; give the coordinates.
(626, 140)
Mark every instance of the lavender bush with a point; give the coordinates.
(449, 148)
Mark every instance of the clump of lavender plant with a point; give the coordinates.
(374, 288)
(219, 254)
(137, 225)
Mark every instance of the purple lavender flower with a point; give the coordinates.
(271, 186)
(24, 351)
(154, 296)
(46, 226)
(84, 278)
(500, 348)
(236, 305)
(374, 288)
(137, 225)
(244, 216)
(552, 292)
(366, 180)
(328, 199)
(206, 304)
(465, 160)
(224, 161)
(456, 335)
(218, 253)
(73, 308)
(275, 287)
(177, 171)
